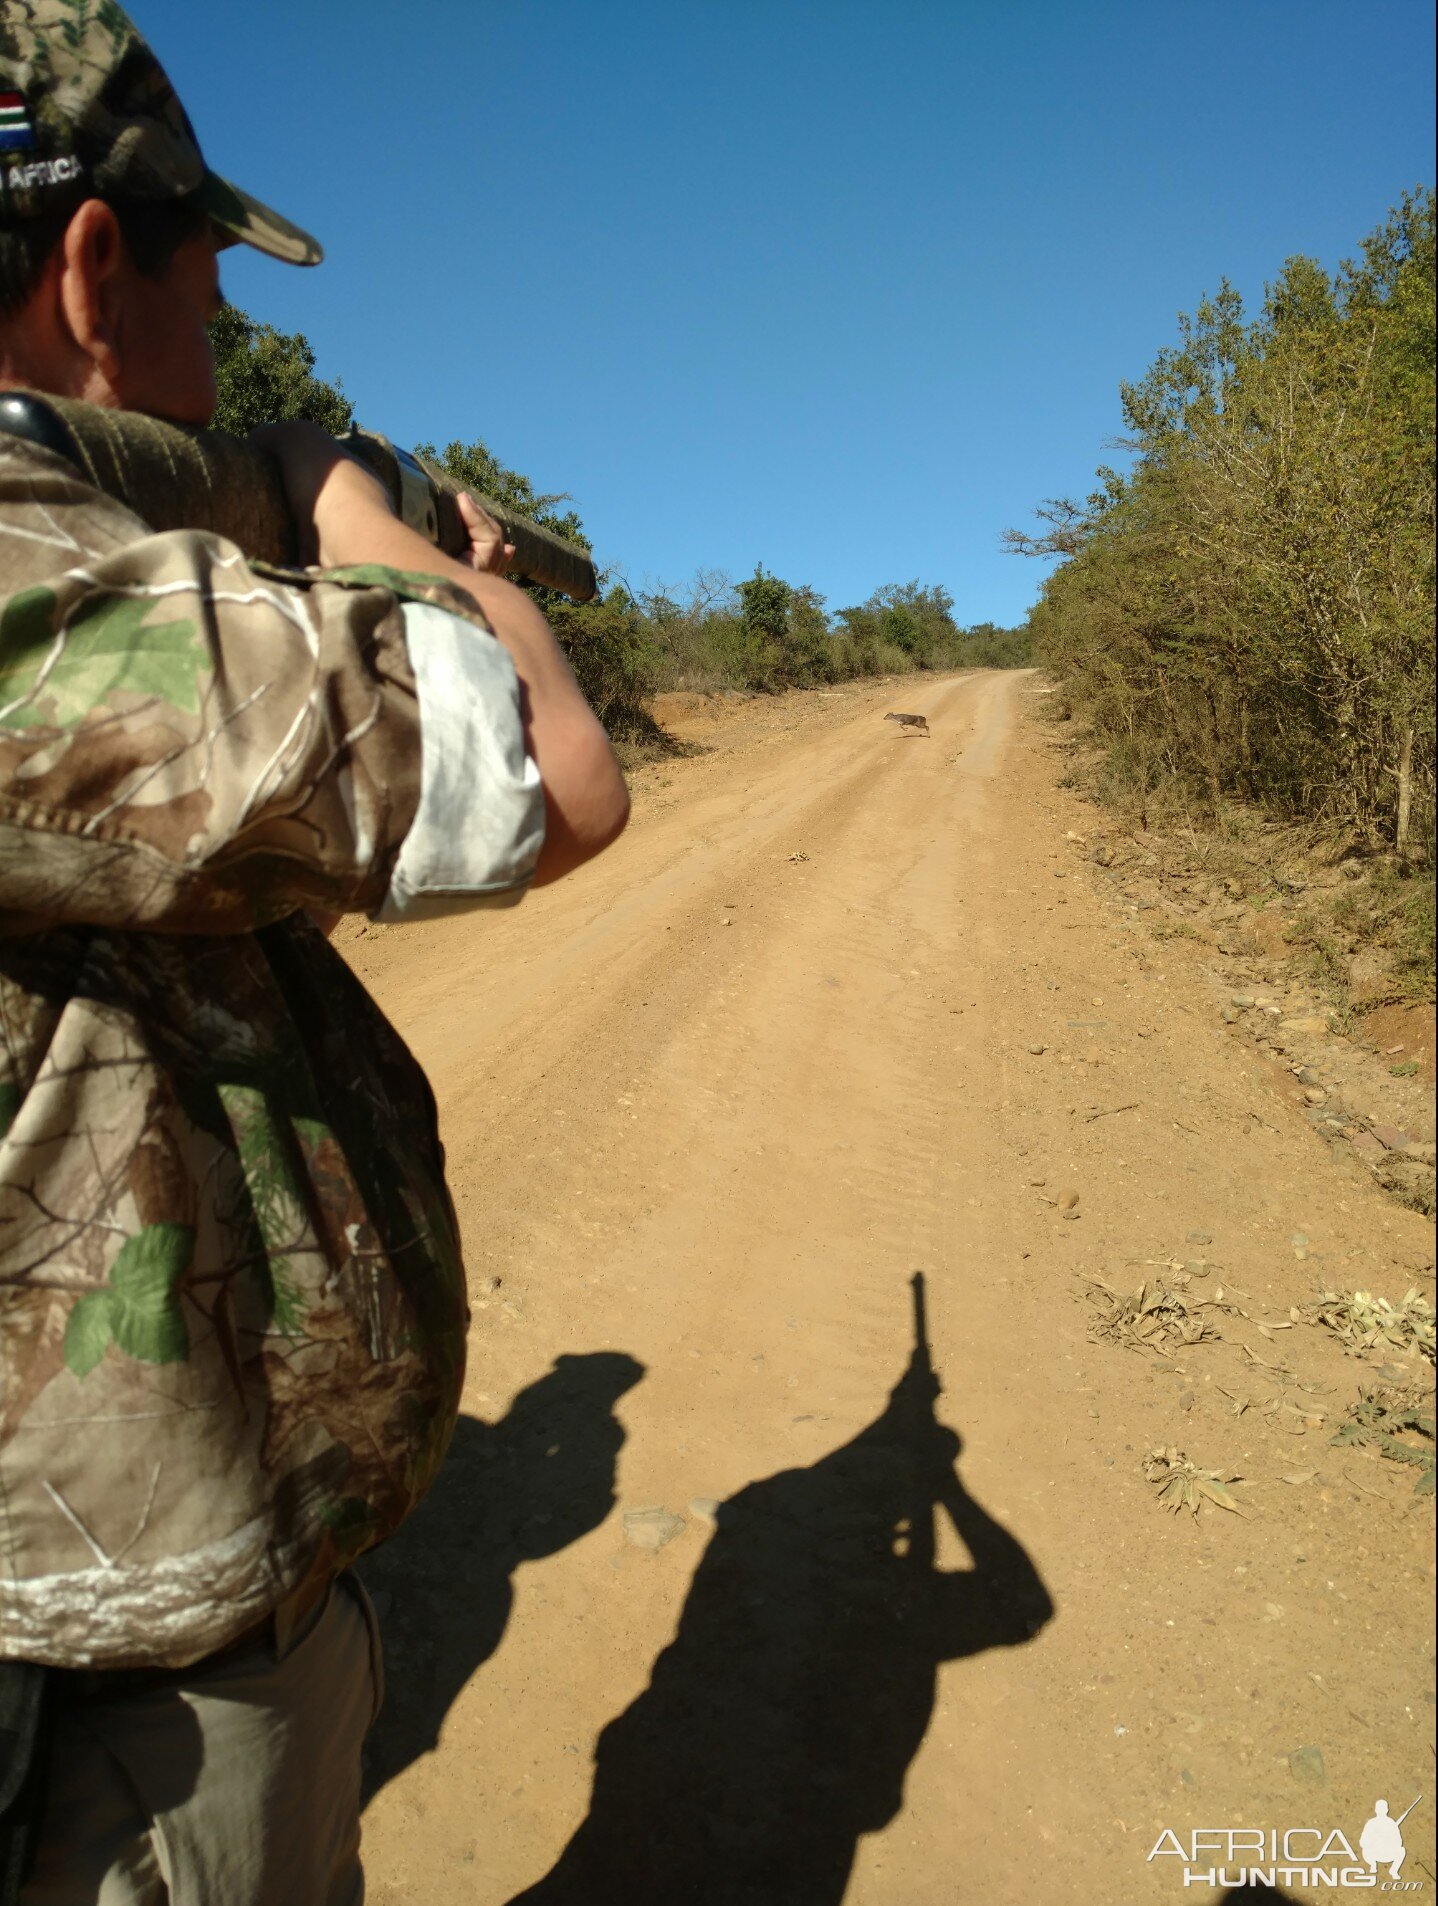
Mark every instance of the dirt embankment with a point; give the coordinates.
(715, 1599)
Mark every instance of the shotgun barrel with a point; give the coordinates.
(176, 476)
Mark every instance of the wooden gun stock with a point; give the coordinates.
(175, 476)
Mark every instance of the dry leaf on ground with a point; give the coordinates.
(1363, 1321)
(1154, 1317)
(1181, 1484)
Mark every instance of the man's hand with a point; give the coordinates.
(488, 552)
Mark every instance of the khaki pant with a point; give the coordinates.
(236, 1783)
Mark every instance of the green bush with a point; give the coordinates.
(1249, 611)
(614, 657)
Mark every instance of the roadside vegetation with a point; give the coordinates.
(713, 634)
(1243, 621)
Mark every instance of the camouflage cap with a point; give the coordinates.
(86, 110)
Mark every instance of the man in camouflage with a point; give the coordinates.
(232, 1309)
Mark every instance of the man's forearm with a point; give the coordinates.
(586, 803)
(376, 537)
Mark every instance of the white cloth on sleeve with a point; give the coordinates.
(479, 826)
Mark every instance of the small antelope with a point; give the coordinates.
(918, 722)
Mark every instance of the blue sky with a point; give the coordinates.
(844, 289)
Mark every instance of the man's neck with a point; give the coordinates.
(27, 362)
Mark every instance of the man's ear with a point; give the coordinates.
(92, 258)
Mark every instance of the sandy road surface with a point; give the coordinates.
(709, 1105)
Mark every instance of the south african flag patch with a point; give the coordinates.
(16, 132)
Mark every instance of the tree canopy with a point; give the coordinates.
(266, 376)
(1249, 610)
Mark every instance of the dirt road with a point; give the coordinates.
(709, 1106)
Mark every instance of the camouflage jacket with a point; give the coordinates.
(232, 1310)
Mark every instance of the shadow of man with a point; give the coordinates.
(779, 1724)
(509, 1492)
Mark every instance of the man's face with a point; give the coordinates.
(167, 367)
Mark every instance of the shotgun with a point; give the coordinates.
(176, 476)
